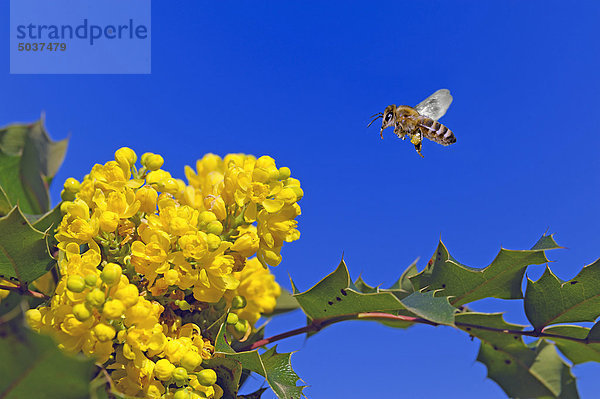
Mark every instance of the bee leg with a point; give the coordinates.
(417, 140)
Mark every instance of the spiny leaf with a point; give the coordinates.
(332, 297)
(577, 352)
(275, 367)
(228, 372)
(285, 303)
(529, 372)
(29, 159)
(404, 282)
(23, 252)
(494, 336)
(360, 286)
(551, 300)
(501, 279)
(5, 205)
(33, 367)
(425, 305)
(521, 371)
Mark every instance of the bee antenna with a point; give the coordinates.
(379, 113)
(376, 116)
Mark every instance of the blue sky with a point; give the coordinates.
(299, 80)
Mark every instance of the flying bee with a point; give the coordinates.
(419, 121)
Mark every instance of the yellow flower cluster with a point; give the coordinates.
(145, 259)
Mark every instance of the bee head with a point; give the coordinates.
(389, 117)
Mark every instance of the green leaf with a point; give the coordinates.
(404, 283)
(501, 279)
(425, 305)
(577, 352)
(285, 303)
(228, 372)
(275, 367)
(360, 286)
(23, 252)
(332, 296)
(5, 205)
(529, 372)
(521, 371)
(551, 300)
(33, 367)
(29, 159)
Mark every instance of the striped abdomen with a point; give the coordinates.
(435, 131)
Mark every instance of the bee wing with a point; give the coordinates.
(436, 105)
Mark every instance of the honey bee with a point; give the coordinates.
(419, 121)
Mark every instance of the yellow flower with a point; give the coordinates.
(259, 288)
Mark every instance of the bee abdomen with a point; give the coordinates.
(437, 132)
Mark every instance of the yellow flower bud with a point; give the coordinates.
(147, 197)
(81, 312)
(34, 318)
(111, 274)
(207, 377)
(213, 241)
(152, 161)
(170, 186)
(90, 280)
(206, 217)
(129, 295)
(72, 185)
(113, 309)
(171, 277)
(182, 394)
(95, 298)
(190, 360)
(246, 244)
(108, 221)
(284, 173)
(238, 302)
(216, 205)
(163, 369)
(298, 191)
(232, 318)
(241, 327)
(180, 376)
(126, 156)
(104, 332)
(75, 283)
(214, 227)
(67, 196)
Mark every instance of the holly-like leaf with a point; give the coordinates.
(425, 305)
(285, 303)
(530, 372)
(23, 252)
(501, 279)
(275, 367)
(550, 300)
(576, 351)
(29, 159)
(332, 296)
(5, 205)
(521, 371)
(404, 283)
(33, 367)
(228, 372)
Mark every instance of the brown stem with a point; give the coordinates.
(24, 291)
(319, 324)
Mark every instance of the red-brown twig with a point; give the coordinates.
(319, 324)
(24, 291)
